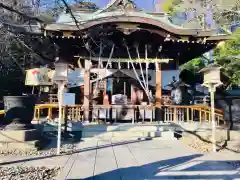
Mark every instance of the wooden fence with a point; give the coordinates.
(134, 113)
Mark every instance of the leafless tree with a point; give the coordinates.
(223, 12)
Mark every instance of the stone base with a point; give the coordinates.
(32, 145)
(19, 135)
(21, 139)
(18, 126)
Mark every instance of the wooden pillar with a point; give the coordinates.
(87, 91)
(158, 85)
(105, 101)
(158, 95)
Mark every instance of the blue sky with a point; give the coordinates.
(145, 4)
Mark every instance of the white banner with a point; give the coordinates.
(119, 99)
(38, 77)
(98, 74)
(76, 77)
(167, 76)
(142, 76)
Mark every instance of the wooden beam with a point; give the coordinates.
(67, 34)
(143, 60)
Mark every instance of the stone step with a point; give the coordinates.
(234, 143)
(235, 135)
(110, 128)
(117, 131)
(128, 134)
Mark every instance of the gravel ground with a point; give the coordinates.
(27, 173)
(204, 147)
(65, 148)
(199, 145)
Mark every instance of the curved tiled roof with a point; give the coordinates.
(116, 12)
(87, 20)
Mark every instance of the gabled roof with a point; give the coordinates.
(121, 11)
(87, 20)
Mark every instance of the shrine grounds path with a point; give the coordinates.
(136, 160)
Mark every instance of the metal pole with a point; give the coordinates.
(60, 100)
(212, 91)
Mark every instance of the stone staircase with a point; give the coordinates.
(166, 131)
(127, 131)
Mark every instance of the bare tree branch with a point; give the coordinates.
(20, 13)
(16, 62)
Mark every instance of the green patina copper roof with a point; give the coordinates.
(121, 11)
(83, 17)
(113, 8)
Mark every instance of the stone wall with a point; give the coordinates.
(231, 107)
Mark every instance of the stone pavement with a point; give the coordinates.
(135, 160)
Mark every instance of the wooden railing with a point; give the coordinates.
(166, 99)
(53, 99)
(191, 113)
(171, 113)
(74, 112)
(135, 113)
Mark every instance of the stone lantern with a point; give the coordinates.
(60, 77)
(212, 76)
(212, 79)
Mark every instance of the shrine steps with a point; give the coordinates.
(112, 131)
(127, 131)
(167, 131)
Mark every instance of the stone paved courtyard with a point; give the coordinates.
(133, 160)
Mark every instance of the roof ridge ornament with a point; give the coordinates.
(123, 4)
(116, 5)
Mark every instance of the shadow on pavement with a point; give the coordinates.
(77, 151)
(176, 168)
